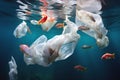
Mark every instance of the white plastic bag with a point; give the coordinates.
(13, 69)
(95, 25)
(60, 47)
(21, 30)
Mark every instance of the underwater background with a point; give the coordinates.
(97, 69)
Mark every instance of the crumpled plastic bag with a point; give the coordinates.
(21, 30)
(60, 47)
(13, 69)
(95, 25)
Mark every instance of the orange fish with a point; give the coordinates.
(60, 25)
(43, 19)
(108, 56)
(80, 68)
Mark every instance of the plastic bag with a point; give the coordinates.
(95, 25)
(60, 47)
(13, 69)
(21, 30)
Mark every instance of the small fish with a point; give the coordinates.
(83, 28)
(107, 56)
(86, 47)
(80, 68)
(60, 25)
(43, 19)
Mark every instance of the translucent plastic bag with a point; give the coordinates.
(21, 30)
(13, 69)
(95, 25)
(60, 47)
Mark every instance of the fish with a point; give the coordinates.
(43, 19)
(86, 47)
(80, 68)
(107, 56)
(60, 25)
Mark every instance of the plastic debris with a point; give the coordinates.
(13, 69)
(21, 30)
(95, 25)
(60, 47)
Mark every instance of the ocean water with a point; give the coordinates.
(97, 69)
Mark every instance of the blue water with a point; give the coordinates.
(97, 69)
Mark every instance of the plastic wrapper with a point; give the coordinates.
(13, 69)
